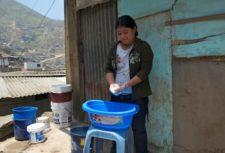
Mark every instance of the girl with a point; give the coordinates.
(128, 66)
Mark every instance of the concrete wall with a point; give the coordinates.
(187, 38)
(151, 16)
(199, 88)
(198, 76)
(40, 101)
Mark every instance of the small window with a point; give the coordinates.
(38, 65)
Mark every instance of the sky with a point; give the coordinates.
(42, 7)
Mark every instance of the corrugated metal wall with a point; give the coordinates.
(97, 34)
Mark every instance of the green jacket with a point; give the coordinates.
(140, 62)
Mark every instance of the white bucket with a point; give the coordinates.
(60, 88)
(62, 114)
(45, 120)
(36, 132)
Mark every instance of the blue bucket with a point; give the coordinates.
(78, 135)
(22, 117)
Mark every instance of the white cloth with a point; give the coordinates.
(123, 69)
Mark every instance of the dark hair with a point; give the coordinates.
(126, 21)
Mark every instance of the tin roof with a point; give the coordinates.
(14, 87)
(20, 84)
(33, 73)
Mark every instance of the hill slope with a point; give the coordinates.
(22, 33)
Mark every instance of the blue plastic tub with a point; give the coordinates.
(110, 115)
(22, 117)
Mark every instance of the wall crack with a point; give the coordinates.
(193, 41)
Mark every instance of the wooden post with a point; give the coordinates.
(73, 74)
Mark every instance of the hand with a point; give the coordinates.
(123, 86)
(114, 88)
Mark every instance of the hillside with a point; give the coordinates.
(22, 34)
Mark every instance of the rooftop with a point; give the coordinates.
(28, 83)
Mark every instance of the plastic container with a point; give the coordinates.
(78, 135)
(61, 93)
(46, 121)
(61, 104)
(110, 115)
(60, 88)
(36, 134)
(22, 117)
(25, 112)
(62, 114)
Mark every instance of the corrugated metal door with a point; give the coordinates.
(97, 34)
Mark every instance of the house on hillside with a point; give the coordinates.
(186, 109)
(4, 61)
(8, 63)
(32, 66)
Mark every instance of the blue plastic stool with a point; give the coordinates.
(118, 136)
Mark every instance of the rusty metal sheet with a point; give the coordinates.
(97, 37)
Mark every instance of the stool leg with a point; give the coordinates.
(119, 137)
(87, 144)
(129, 141)
(120, 146)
